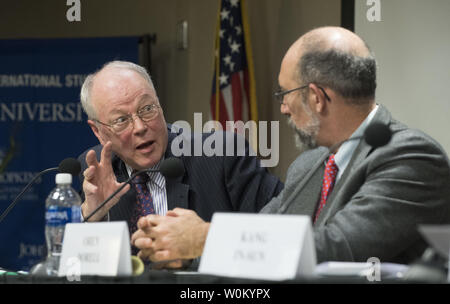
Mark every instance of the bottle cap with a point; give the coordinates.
(63, 178)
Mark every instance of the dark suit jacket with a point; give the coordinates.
(209, 184)
(376, 206)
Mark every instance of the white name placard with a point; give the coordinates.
(259, 246)
(438, 237)
(101, 249)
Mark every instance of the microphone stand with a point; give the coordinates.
(5, 213)
(115, 193)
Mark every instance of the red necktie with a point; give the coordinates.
(329, 178)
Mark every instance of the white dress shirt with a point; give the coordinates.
(157, 187)
(345, 152)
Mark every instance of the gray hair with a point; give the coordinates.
(351, 76)
(85, 94)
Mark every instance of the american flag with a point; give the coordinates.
(233, 74)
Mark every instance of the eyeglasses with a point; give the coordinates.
(146, 113)
(279, 95)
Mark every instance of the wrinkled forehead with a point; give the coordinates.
(115, 87)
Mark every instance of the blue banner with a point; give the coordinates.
(42, 123)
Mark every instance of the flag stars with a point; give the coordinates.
(238, 30)
(234, 3)
(235, 47)
(224, 14)
(223, 79)
(227, 59)
(231, 44)
(228, 62)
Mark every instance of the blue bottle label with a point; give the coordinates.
(76, 214)
(60, 216)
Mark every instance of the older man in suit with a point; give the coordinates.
(125, 115)
(364, 201)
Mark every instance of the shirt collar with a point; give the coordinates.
(345, 152)
(155, 177)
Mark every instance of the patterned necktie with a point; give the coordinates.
(329, 178)
(144, 203)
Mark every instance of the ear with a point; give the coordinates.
(318, 99)
(96, 131)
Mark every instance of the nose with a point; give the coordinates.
(138, 125)
(284, 109)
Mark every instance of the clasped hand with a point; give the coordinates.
(172, 239)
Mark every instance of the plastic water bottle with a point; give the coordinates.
(63, 205)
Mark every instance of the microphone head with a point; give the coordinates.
(377, 134)
(70, 165)
(172, 167)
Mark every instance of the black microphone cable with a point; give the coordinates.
(170, 168)
(68, 165)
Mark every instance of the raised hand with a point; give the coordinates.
(99, 183)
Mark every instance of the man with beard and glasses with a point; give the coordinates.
(364, 201)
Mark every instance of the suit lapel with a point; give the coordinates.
(177, 191)
(331, 206)
(177, 194)
(362, 151)
(123, 210)
(308, 190)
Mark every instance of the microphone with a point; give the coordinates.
(68, 165)
(170, 168)
(377, 134)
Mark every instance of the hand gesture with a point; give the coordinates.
(99, 183)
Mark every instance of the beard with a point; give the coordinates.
(305, 139)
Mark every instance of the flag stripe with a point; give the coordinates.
(222, 109)
(233, 92)
(227, 99)
(244, 92)
(237, 97)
